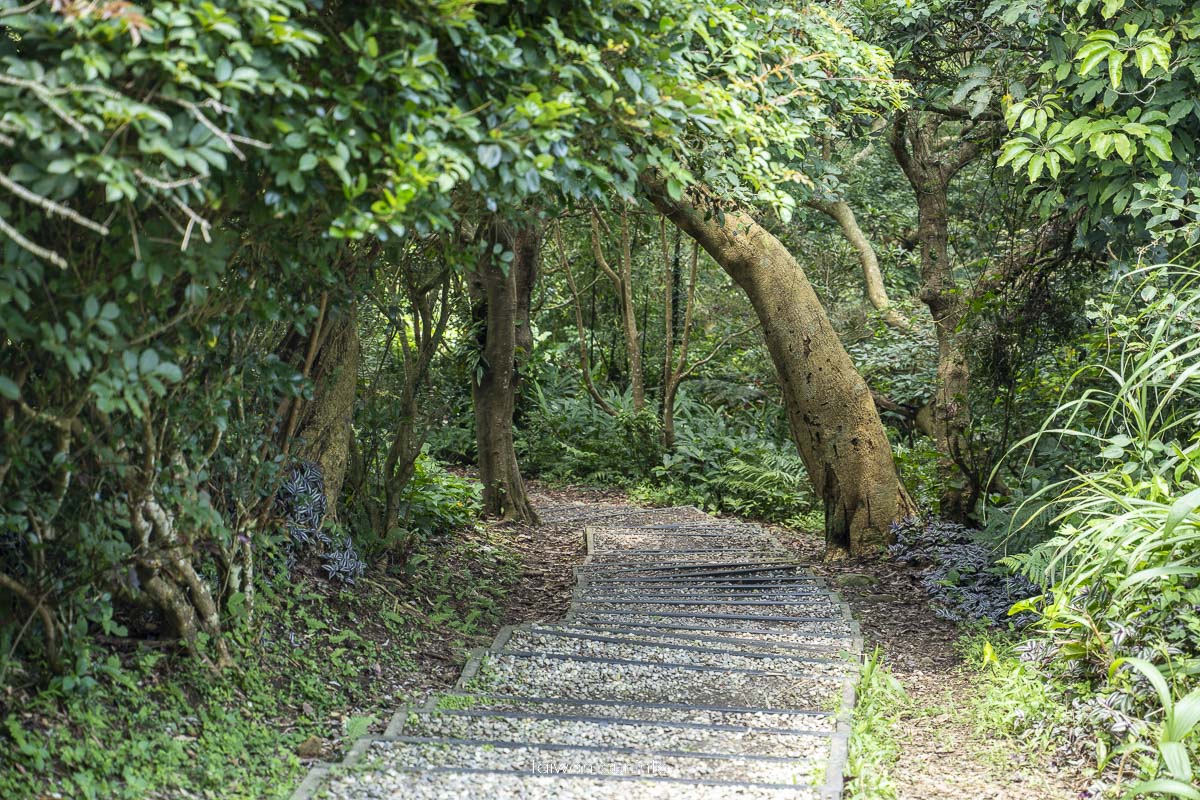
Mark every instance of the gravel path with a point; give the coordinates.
(696, 660)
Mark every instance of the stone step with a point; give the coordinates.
(819, 688)
(721, 624)
(666, 559)
(765, 578)
(440, 784)
(410, 753)
(759, 593)
(778, 720)
(806, 608)
(537, 728)
(695, 636)
(586, 514)
(599, 646)
(599, 541)
(712, 570)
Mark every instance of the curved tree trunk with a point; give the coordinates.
(872, 276)
(497, 310)
(833, 418)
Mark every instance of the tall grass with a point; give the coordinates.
(1123, 595)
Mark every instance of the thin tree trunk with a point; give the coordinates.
(950, 408)
(622, 282)
(675, 370)
(585, 361)
(873, 286)
(833, 418)
(495, 306)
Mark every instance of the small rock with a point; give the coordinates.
(310, 747)
(855, 579)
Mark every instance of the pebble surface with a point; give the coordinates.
(760, 719)
(696, 661)
(391, 785)
(616, 733)
(643, 651)
(760, 642)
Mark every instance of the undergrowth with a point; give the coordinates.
(319, 668)
(874, 746)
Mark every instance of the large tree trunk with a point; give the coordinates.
(833, 418)
(496, 308)
(930, 162)
(325, 423)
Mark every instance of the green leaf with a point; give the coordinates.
(1175, 756)
(1165, 786)
(1123, 146)
(1187, 715)
(1116, 66)
(8, 388)
(1180, 510)
(1094, 57)
(674, 189)
(633, 79)
(148, 361)
(1160, 148)
(308, 162)
(489, 155)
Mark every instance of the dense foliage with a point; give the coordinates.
(259, 260)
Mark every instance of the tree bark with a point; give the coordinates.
(326, 422)
(497, 311)
(873, 286)
(622, 281)
(833, 418)
(930, 164)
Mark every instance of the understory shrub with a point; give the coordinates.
(723, 459)
(961, 574)
(1122, 612)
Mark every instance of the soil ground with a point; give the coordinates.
(943, 756)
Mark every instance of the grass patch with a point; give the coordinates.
(1014, 700)
(873, 741)
(315, 665)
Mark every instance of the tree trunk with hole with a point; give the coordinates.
(833, 418)
(325, 428)
(496, 309)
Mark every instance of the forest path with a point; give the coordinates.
(697, 659)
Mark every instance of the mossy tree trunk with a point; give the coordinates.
(930, 161)
(833, 418)
(325, 426)
(500, 308)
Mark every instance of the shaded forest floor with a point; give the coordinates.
(332, 663)
(943, 750)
